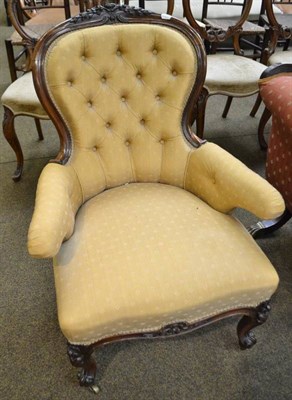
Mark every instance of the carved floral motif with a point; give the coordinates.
(111, 13)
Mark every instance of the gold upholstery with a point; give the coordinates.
(231, 186)
(126, 139)
(149, 251)
(137, 218)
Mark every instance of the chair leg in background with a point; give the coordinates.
(257, 317)
(10, 59)
(39, 128)
(262, 228)
(263, 122)
(256, 106)
(201, 109)
(227, 106)
(10, 136)
(81, 357)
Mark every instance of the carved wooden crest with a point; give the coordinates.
(111, 13)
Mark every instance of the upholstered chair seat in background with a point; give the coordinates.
(20, 98)
(136, 213)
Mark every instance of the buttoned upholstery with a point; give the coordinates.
(126, 139)
(137, 220)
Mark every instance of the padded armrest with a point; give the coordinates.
(58, 198)
(226, 183)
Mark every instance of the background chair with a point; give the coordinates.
(137, 216)
(20, 97)
(279, 32)
(32, 19)
(225, 17)
(229, 74)
(276, 92)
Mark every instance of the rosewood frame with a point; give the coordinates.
(81, 355)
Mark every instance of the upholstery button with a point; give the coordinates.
(123, 98)
(108, 125)
(103, 79)
(119, 53)
(69, 83)
(127, 143)
(154, 51)
(162, 141)
(142, 121)
(89, 104)
(174, 73)
(157, 97)
(138, 76)
(83, 58)
(94, 148)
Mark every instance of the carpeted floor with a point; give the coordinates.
(204, 365)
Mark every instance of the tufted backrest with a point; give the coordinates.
(122, 90)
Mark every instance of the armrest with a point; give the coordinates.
(226, 183)
(58, 198)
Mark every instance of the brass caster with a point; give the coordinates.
(94, 388)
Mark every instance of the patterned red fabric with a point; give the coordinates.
(277, 96)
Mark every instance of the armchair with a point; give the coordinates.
(135, 210)
(279, 29)
(276, 92)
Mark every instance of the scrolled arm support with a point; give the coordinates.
(58, 198)
(226, 183)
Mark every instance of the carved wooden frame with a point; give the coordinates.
(213, 35)
(114, 14)
(81, 355)
(276, 30)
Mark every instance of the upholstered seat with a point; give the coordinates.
(231, 74)
(159, 223)
(137, 216)
(281, 57)
(21, 98)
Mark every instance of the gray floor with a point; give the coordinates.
(204, 365)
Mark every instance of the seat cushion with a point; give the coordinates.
(144, 255)
(21, 98)
(232, 75)
(281, 57)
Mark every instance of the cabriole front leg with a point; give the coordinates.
(81, 357)
(257, 317)
(10, 136)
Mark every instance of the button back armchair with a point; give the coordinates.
(136, 211)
